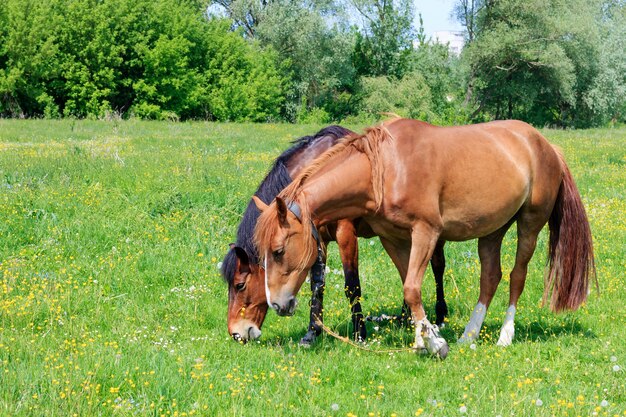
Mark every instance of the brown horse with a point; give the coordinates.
(416, 185)
(247, 303)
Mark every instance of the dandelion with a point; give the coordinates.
(473, 346)
(604, 403)
(616, 368)
(538, 402)
(613, 358)
(334, 407)
(463, 409)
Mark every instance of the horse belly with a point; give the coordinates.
(478, 208)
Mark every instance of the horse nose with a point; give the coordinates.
(291, 305)
(286, 310)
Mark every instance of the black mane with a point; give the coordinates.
(273, 183)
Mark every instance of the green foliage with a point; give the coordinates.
(382, 49)
(152, 59)
(242, 81)
(606, 96)
(546, 62)
(443, 73)
(540, 61)
(28, 56)
(407, 97)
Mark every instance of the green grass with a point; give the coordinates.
(111, 301)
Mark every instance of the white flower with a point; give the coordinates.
(604, 403)
(463, 409)
(334, 407)
(473, 346)
(616, 368)
(538, 403)
(613, 358)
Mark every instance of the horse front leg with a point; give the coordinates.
(349, 252)
(316, 315)
(438, 265)
(423, 242)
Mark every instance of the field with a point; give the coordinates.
(111, 302)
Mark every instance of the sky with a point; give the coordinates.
(436, 15)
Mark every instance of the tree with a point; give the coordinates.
(532, 59)
(606, 97)
(147, 58)
(313, 42)
(383, 46)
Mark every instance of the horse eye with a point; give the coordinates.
(240, 286)
(278, 253)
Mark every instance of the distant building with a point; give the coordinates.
(454, 40)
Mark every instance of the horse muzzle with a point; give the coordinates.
(287, 309)
(245, 332)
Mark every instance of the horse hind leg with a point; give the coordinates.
(527, 233)
(489, 248)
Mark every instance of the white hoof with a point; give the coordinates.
(506, 334)
(435, 344)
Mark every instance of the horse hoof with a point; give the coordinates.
(443, 352)
(308, 339)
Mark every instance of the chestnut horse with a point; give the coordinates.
(247, 303)
(416, 185)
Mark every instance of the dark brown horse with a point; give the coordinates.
(247, 303)
(416, 185)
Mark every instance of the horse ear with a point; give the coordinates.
(259, 203)
(243, 261)
(281, 208)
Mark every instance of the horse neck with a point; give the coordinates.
(342, 190)
(307, 154)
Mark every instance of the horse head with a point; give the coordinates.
(289, 249)
(247, 305)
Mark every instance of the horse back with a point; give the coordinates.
(469, 179)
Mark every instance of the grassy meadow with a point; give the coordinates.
(111, 302)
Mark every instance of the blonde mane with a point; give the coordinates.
(367, 143)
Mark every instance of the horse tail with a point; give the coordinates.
(570, 253)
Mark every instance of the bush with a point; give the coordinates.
(408, 97)
(154, 59)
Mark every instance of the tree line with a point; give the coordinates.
(548, 62)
